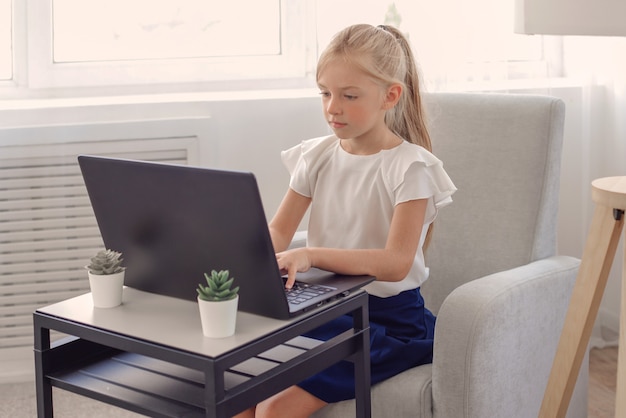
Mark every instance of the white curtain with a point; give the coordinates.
(599, 65)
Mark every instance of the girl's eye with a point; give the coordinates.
(324, 94)
(350, 97)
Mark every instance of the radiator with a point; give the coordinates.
(47, 227)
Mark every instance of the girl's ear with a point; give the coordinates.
(393, 96)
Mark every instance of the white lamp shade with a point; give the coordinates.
(571, 17)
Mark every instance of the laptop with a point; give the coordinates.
(173, 223)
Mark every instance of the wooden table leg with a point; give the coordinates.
(602, 241)
(620, 400)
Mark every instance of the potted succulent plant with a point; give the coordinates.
(218, 302)
(106, 278)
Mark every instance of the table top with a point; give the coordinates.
(164, 320)
(610, 191)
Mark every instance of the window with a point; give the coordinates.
(6, 41)
(116, 30)
(159, 45)
(122, 42)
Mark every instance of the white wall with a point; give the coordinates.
(247, 132)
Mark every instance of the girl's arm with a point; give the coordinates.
(286, 220)
(391, 263)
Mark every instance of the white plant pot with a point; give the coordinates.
(106, 290)
(218, 318)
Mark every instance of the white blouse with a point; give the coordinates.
(354, 196)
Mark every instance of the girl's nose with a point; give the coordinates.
(333, 107)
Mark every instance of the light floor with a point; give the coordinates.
(18, 400)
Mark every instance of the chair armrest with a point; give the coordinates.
(496, 337)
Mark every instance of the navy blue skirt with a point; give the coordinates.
(401, 337)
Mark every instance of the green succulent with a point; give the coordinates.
(106, 262)
(218, 287)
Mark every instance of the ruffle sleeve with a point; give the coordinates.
(301, 159)
(291, 158)
(418, 174)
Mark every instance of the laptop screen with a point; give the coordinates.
(174, 223)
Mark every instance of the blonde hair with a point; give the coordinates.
(384, 54)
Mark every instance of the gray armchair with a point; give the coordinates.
(498, 288)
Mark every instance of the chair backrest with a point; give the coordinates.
(503, 152)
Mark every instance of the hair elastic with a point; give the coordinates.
(387, 29)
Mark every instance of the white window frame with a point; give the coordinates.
(297, 33)
(36, 76)
(11, 39)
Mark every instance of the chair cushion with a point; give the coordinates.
(389, 399)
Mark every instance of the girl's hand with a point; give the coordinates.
(291, 262)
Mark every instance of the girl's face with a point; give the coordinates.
(353, 103)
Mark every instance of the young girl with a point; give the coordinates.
(373, 189)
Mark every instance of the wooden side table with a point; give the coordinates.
(609, 194)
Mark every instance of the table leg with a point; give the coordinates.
(604, 234)
(42, 384)
(362, 373)
(213, 389)
(620, 400)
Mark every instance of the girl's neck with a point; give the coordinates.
(371, 144)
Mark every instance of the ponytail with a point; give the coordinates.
(407, 118)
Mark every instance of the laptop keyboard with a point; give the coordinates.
(302, 292)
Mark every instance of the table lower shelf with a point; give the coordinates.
(157, 388)
(137, 383)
